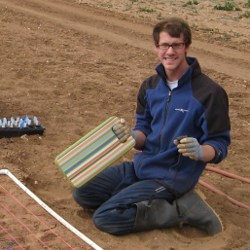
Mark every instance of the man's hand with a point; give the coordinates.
(122, 130)
(189, 147)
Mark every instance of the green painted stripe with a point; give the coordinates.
(97, 168)
(111, 119)
(89, 150)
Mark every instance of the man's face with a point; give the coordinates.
(172, 58)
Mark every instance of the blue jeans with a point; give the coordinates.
(114, 194)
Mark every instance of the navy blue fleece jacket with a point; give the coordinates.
(198, 108)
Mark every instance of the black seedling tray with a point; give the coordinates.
(14, 132)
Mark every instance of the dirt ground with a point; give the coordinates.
(74, 65)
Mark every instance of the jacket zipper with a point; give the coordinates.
(166, 117)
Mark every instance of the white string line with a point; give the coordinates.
(50, 211)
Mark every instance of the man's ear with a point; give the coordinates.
(187, 48)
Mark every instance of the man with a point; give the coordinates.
(182, 123)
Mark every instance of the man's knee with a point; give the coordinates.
(113, 222)
(77, 196)
(81, 198)
(103, 222)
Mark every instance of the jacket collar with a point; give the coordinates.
(192, 71)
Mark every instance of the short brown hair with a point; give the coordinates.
(174, 26)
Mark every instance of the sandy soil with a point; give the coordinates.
(74, 65)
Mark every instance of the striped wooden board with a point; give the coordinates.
(91, 154)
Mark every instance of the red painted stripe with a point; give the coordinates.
(91, 137)
(114, 152)
(85, 166)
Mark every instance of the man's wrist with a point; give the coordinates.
(134, 134)
(217, 157)
(200, 153)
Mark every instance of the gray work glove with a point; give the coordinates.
(122, 130)
(189, 147)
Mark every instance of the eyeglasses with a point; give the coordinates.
(174, 46)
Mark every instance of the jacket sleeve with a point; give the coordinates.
(143, 114)
(217, 121)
